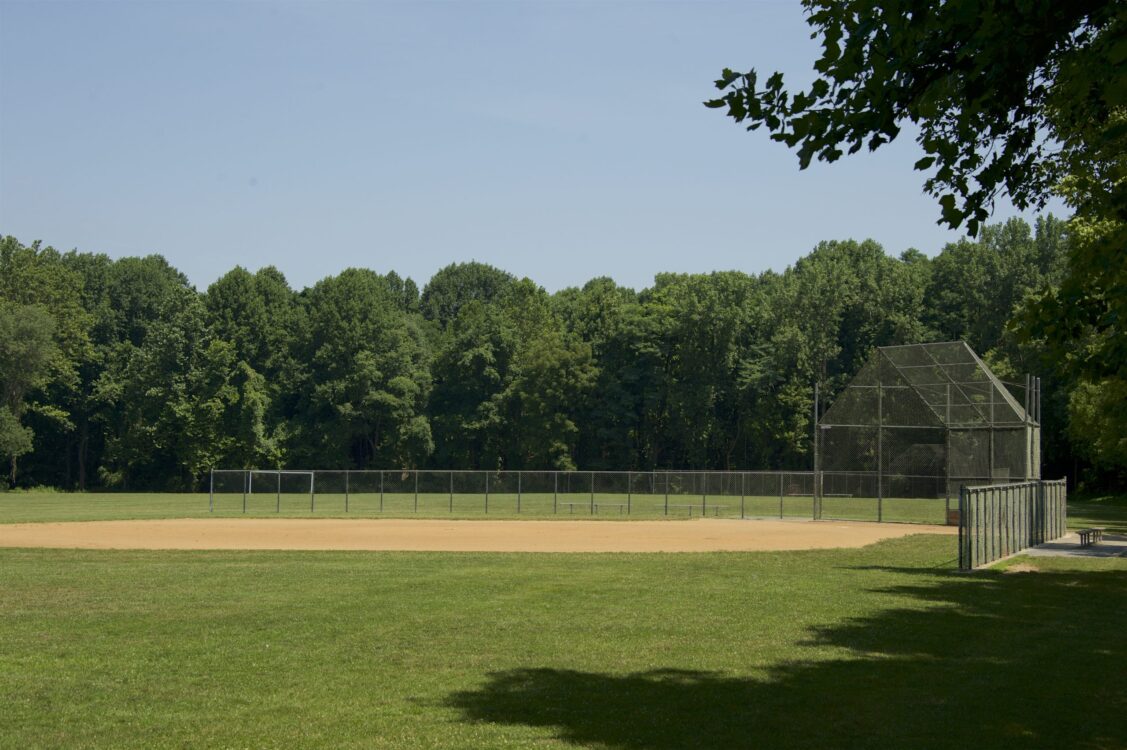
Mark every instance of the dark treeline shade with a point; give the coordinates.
(118, 374)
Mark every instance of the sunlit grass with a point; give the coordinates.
(884, 646)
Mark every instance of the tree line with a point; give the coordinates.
(119, 374)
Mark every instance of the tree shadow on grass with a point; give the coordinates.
(1006, 661)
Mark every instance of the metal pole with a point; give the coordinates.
(416, 490)
(1038, 400)
(743, 492)
(667, 493)
(816, 500)
(991, 432)
(629, 490)
(346, 490)
(519, 475)
(278, 507)
(780, 494)
(246, 486)
(704, 495)
(451, 492)
(487, 493)
(880, 447)
(211, 493)
(312, 494)
(381, 490)
(947, 464)
(962, 533)
(555, 491)
(592, 493)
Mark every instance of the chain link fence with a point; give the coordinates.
(718, 494)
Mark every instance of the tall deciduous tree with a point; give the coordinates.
(27, 348)
(459, 284)
(363, 400)
(34, 275)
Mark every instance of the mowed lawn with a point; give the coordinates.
(19, 507)
(885, 646)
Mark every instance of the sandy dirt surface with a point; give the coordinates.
(702, 535)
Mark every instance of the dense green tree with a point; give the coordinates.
(363, 401)
(507, 380)
(612, 415)
(162, 383)
(456, 285)
(977, 286)
(38, 276)
(162, 407)
(550, 372)
(705, 326)
(27, 349)
(259, 315)
(15, 440)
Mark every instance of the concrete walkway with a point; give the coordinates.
(1112, 545)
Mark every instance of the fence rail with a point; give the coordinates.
(745, 494)
(999, 520)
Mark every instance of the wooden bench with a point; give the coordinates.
(621, 507)
(1091, 536)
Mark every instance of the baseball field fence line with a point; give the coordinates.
(859, 496)
(998, 520)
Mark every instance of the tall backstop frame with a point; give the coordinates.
(923, 420)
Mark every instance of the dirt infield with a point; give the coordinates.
(702, 535)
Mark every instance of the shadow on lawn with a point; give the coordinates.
(1011, 661)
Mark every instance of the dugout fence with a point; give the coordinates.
(743, 494)
(1001, 519)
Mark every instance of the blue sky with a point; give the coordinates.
(557, 140)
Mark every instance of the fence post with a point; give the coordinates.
(211, 493)
(555, 492)
(346, 490)
(704, 495)
(1060, 497)
(312, 492)
(487, 492)
(519, 475)
(416, 490)
(629, 489)
(1042, 531)
(780, 495)
(743, 493)
(592, 493)
(451, 491)
(962, 532)
(880, 447)
(381, 490)
(246, 485)
(667, 493)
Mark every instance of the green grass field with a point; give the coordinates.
(48, 506)
(885, 646)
